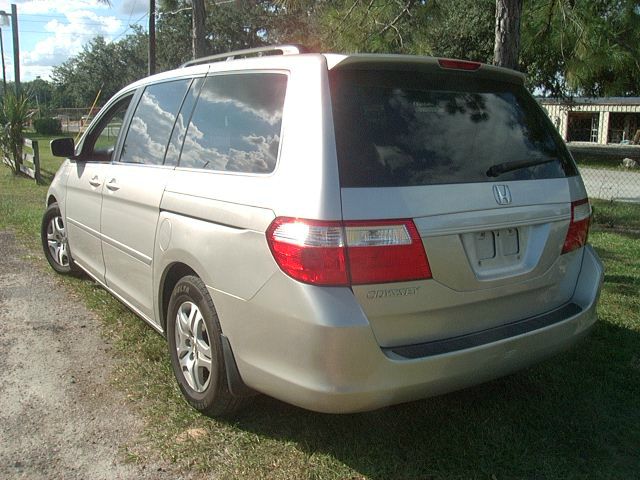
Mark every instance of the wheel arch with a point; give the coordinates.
(170, 277)
(51, 199)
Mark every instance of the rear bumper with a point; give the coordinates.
(303, 352)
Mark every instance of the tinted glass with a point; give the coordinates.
(180, 127)
(152, 123)
(236, 123)
(410, 128)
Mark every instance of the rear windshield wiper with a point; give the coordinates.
(500, 168)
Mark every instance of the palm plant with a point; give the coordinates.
(14, 115)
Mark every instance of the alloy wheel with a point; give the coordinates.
(193, 346)
(57, 241)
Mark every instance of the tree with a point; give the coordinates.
(460, 29)
(373, 26)
(507, 33)
(14, 114)
(100, 66)
(583, 47)
(198, 32)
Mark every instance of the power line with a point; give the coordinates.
(129, 27)
(133, 5)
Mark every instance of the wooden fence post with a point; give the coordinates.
(31, 158)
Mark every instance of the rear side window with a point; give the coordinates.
(152, 122)
(236, 123)
(397, 128)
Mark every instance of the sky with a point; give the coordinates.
(51, 31)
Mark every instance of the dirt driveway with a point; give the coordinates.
(59, 417)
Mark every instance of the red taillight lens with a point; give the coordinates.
(309, 251)
(385, 251)
(579, 226)
(340, 254)
(458, 64)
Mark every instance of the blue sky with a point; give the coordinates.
(53, 30)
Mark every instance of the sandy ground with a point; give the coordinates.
(59, 417)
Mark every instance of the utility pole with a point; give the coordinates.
(16, 46)
(152, 37)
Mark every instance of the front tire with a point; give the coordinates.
(193, 334)
(55, 242)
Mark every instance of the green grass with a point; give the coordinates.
(602, 160)
(576, 416)
(624, 217)
(598, 161)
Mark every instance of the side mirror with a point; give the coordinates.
(63, 147)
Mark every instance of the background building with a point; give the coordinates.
(596, 120)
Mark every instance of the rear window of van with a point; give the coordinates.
(399, 128)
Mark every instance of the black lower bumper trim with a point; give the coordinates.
(490, 335)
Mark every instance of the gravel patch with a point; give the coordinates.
(59, 415)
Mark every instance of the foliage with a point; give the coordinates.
(378, 26)
(14, 115)
(230, 27)
(47, 126)
(100, 67)
(110, 66)
(568, 47)
(461, 29)
(582, 47)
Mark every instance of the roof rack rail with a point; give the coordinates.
(290, 49)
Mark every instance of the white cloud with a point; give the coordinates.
(53, 6)
(72, 24)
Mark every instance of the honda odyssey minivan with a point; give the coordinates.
(341, 232)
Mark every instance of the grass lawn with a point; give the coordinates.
(575, 416)
(598, 161)
(606, 159)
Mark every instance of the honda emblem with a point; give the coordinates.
(502, 194)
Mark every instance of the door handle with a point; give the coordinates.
(95, 181)
(112, 185)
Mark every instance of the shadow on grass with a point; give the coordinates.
(47, 177)
(624, 284)
(573, 416)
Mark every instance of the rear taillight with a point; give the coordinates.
(385, 251)
(309, 251)
(348, 253)
(579, 226)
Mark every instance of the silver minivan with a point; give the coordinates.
(341, 232)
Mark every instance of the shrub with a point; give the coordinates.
(14, 115)
(47, 126)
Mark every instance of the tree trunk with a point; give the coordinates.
(507, 41)
(198, 33)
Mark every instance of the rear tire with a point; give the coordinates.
(55, 243)
(193, 334)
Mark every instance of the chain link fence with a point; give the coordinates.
(609, 172)
(74, 120)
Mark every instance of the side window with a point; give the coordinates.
(236, 123)
(180, 127)
(101, 141)
(152, 123)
